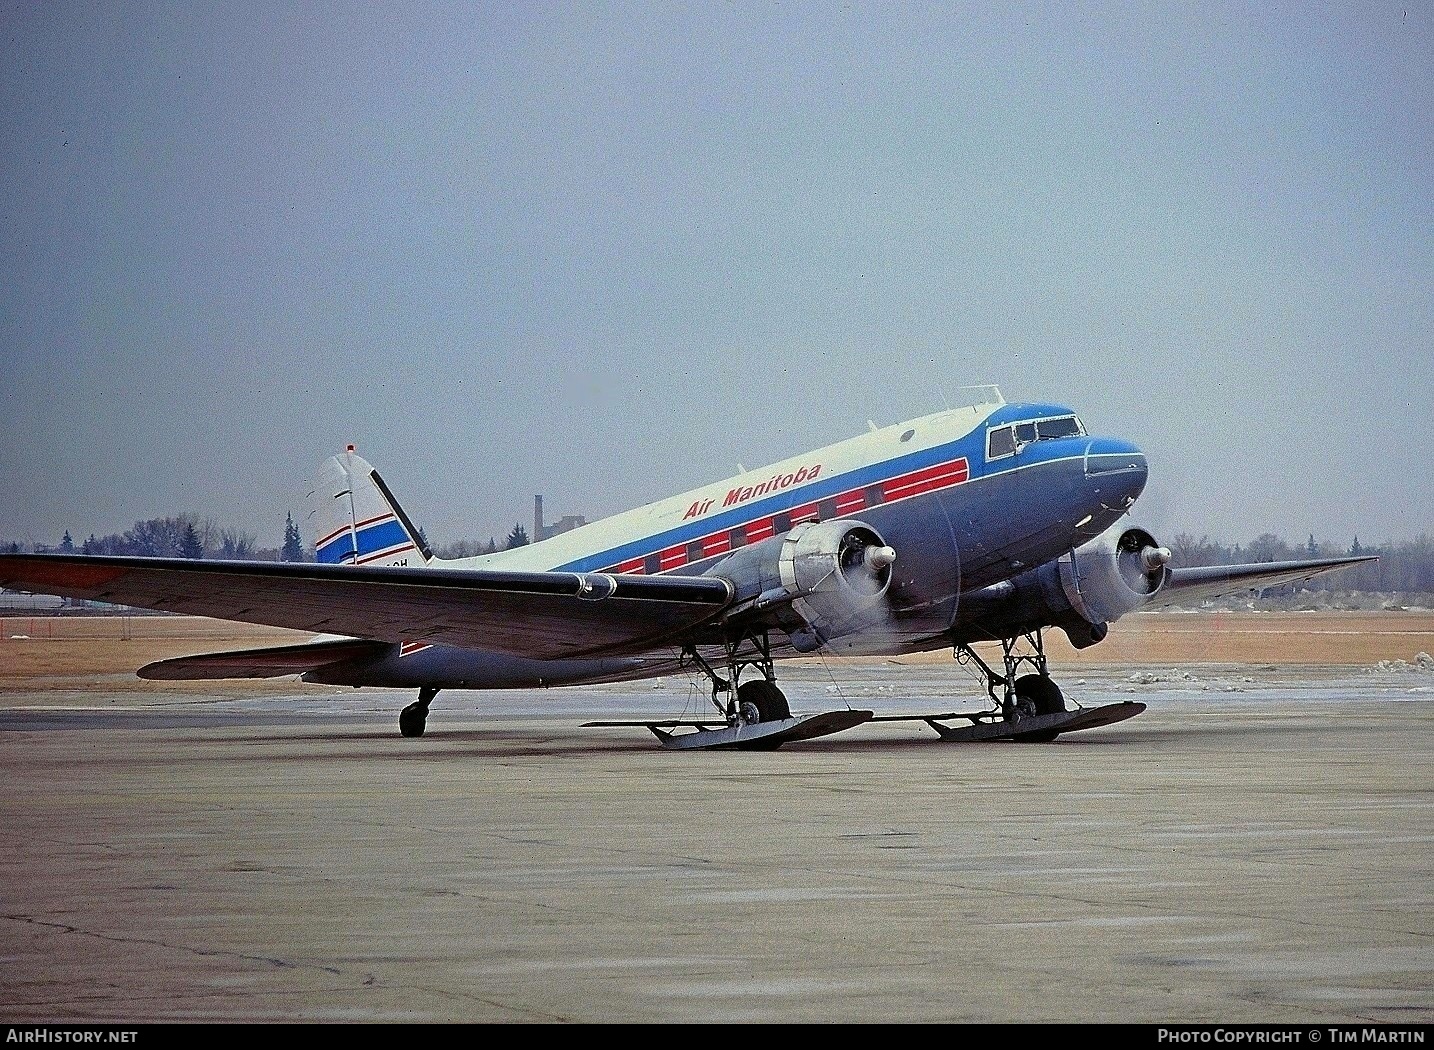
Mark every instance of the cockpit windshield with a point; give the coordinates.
(1010, 439)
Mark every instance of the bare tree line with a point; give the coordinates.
(1405, 565)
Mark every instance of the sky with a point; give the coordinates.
(607, 252)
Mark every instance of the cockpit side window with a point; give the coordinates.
(1000, 443)
(1060, 427)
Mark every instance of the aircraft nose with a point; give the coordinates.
(1117, 469)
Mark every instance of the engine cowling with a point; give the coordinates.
(1102, 580)
(1080, 592)
(819, 581)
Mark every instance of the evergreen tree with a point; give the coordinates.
(1312, 547)
(190, 546)
(293, 549)
(67, 545)
(90, 546)
(518, 537)
(1355, 548)
(492, 545)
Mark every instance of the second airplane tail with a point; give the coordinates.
(356, 519)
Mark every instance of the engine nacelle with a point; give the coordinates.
(1080, 592)
(1113, 574)
(821, 580)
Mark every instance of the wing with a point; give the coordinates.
(544, 615)
(1213, 581)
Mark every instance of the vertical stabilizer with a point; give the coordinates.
(356, 519)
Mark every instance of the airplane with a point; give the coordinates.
(989, 522)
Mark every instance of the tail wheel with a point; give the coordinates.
(769, 701)
(412, 720)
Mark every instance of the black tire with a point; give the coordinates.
(1043, 737)
(1042, 692)
(770, 702)
(412, 721)
(1047, 699)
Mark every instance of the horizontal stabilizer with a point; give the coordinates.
(273, 662)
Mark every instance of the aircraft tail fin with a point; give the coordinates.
(356, 519)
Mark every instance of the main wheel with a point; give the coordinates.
(1046, 697)
(412, 720)
(1042, 692)
(770, 702)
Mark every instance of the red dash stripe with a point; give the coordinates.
(385, 554)
(927, 473)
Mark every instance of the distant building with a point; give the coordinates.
(565, 524)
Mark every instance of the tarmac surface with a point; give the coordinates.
(1258, 846)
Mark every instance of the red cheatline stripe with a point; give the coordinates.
(926, 480)
(409, 648)
(386, 554)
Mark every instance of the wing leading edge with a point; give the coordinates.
(1201, 583)
(543, 615)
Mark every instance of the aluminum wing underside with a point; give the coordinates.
(1204, 582)
(543, 615)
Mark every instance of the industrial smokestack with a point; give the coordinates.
(537, 518)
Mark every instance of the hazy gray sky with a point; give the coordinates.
(607, 251)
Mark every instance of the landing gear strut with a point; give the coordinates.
(759, 700)
(413, 719)
(1026, 696)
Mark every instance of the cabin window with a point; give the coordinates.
(826, 510)
(782, 523)
(652, 564)
(1000, 443)
(694, 551)
(737, 537)
(874, 495)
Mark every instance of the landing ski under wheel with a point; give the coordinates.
(765, 736)
(988, 725)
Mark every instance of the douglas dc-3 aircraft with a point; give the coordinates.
(976, 524)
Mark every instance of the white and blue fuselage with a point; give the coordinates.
(967, 498)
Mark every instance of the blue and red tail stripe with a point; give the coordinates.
(379, 537)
